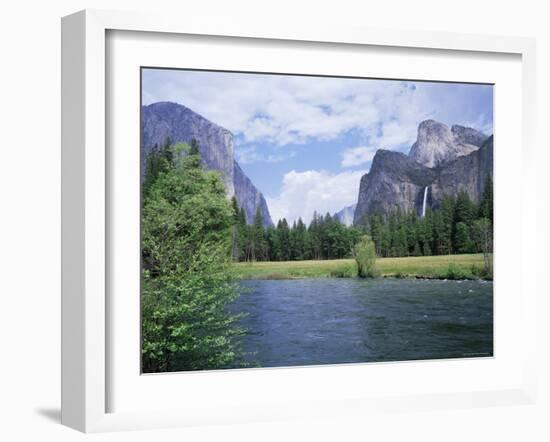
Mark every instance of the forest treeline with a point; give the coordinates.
(459, 225)
(324, 238)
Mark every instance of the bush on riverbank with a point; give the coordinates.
(364, 254)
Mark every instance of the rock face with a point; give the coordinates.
(442, 162)
(437, 145)
(249, 197)
(163, 120)
(394, 181)
(467, 173)
(468, 136)
(345, 216)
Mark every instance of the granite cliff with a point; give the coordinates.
(249, 197)
(467, 173)
(437, 145)
(394, 181)
(441, 162)
(163, 120)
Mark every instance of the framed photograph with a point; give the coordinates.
(276, 223)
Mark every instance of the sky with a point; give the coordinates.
(305, 141)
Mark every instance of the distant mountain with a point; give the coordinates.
(163, 120)
(437, 145)
(442, 162)
(345, 216)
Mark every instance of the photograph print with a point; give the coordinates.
(300, 220)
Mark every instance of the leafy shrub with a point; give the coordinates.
(364, 253)
(456, 272)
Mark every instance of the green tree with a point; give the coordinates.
(463, 241)
(445, 233)
(315, 240)
(187, 281)
(237, 231)
(157, 161)
(364, 254)
(486, 203)
(272, 246)
(300, 240)
(283, 238)
(438, 232)
(465, 210)
(482, 233)
(426, 232)
(244, 240)
(375, 229)
(259, 242)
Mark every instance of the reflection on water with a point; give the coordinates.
(328, 321)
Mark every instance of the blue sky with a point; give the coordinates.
(305, 142)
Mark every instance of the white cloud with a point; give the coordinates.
(397, 133)
(249, 154)
(354, 156)
(302, 193)
(279, 109)
(283, 109)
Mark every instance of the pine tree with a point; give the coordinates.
(437, 233)
(314, 231)
(271, 239)
(293, 246)
(465, 210)
(375, 228)
(300, 240)
(284, 240)
(486, 204)
(447, 220)
(258, 235)
(463, 242)
(427, 233)
(236, 241)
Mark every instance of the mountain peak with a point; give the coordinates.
(468, 135)
(437, 144)
(168, 120)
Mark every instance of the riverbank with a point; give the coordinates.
(431, 267)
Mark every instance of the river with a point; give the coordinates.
(330, 321)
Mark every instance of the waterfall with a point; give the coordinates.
(424, 201)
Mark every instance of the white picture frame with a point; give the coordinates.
(85, 209)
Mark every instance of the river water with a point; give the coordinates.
(330, 321)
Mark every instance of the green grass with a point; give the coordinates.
(438, 267)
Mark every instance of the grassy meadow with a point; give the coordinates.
(467, 266)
